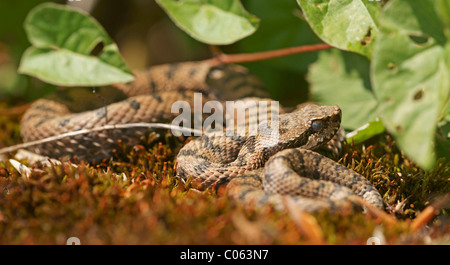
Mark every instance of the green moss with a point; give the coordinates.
(397, 178)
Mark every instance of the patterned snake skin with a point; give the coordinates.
(258, 168)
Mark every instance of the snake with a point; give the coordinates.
(280, 160)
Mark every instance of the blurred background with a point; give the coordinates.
(146, 36)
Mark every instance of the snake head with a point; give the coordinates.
(323, 124)
(309, 126)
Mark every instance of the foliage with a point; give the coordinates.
(212, 21)
(63, 40)
(348, 25)
(410, 70)
(411, 73)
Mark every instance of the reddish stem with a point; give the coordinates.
(259, 56)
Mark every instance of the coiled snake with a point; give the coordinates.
(258, 168)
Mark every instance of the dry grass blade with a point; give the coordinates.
(96, 129)
(428, 213)
(306, 223)
(21, 168)
(249, 230)
(383, 216)
(18, 110)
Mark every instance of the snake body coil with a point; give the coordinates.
(259, 168)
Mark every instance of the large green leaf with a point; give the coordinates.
(63, 39)
(343, 78)
(346, 24)
(211, 21)
(411, 73)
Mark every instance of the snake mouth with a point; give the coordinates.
(313, 142)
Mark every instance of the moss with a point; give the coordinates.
(135, 199)
(406, 189)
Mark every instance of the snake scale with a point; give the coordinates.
(258, 169)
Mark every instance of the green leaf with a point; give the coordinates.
(63, 39)
(365, 132)
(411, 74)
(211, 21)
(70, 69)
(346, 24)
(343, 78)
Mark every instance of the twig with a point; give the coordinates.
(259, 56)
(102, 128)
(305, 223)
(15, 110)
(374, 210)
(428, 213)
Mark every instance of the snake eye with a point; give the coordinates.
(317, 125)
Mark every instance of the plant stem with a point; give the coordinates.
(222, 58)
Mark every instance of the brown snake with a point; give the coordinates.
(258, 168)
